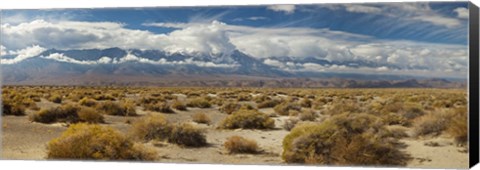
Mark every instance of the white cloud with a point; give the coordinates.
(3, 50)
(413, 11)
(462, 12)
(287, 9)
(23, 54)
(362, 8)
(218, 40)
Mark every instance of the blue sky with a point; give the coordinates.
(408, 35)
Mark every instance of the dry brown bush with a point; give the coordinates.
(238, 144)
(94, 142)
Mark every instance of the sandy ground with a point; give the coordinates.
(22, 139)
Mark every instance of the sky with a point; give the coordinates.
(418, 38)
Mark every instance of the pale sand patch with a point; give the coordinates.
(445, 155)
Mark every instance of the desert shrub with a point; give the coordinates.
(229, 107)
(200, 103)
(201, 118)
(179, 105)
(307, 115)
(159, 107)
(458, 127)
(343, 140)
(248, 119)
(106, 97)
(187, 135)
(305, 102)
(290, 123)
(65, 113)
(284, 108)
(90, 115)
(87, 102)
(395, 119)
(9, 108)
(413, 111)
(344, 106)
(116, 109)
(433, 123)
(151, 127)
(268, 103)
(94, 142)
(244, 97)
(238, 144)
(55, 98)
(396, 132)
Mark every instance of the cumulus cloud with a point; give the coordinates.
(218, 40)
(3, 50)
(23, 54)
(462, 12)
(287, 9)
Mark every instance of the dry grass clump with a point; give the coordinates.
(187, 135)
(68, 114)
(65, 113)
(285, 108)
(90, 115)
(10, 108)
(290, 123)
(247, 119)
(238, 144)
(433, 123)
(346, 139)
(458, 127)
(117, 109)
(268, 103)
(87, 102)
(151, 127)
(201, 118)
(200, 103)
(306, 102)
(229, 107)
(55, 98)
(179, 105)
(94, 142)
(307, 115)
(163, 107)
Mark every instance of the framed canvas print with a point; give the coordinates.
(379, 84)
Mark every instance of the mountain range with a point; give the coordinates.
(116, 66)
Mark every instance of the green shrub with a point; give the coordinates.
(237, 144)
(94, 142)
(248, 119)
(201, 118)
(342, 140)
(187, 135)
(151, 127)
(284, 108)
